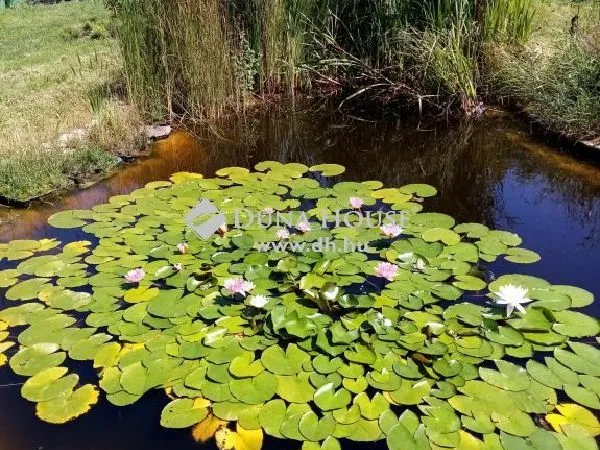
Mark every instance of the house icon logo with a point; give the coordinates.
(205, 228)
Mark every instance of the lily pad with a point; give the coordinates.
(182, 413)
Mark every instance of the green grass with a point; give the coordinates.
(38, 173)
(556, 77)
(56, 64)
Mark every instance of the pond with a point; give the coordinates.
(489, 171)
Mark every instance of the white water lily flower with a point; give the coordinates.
(283, 234)
(420, 264)
(384, 321)
(513, 297)
(258, 301)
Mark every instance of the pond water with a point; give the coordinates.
(489, 171)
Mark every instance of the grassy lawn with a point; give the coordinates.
(555, 78)
(553, 19)
(56, 62)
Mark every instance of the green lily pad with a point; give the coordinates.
(182, 413)
(295, 388)
(48, 385)
(444, 235)
(316, 429)
(280, 362)
(328, 170)
(68, 405)
(509, 377)
(327, 398)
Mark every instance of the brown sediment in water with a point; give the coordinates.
(563, 162)
(456, 159)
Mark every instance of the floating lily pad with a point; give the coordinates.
(256, 330)
(69, 219)
(49, 384)
(68, 405)
(183, 413)
(328, 170)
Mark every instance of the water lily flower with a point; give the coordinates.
(405, 257)
(283, 234)
(387, 270)
(135, 275)
(384, 320)
(356, 202)
(391, 230)
(268, 210)
(513, 297)
(258, 301)
(178, 267)
(420, 264)
(183, 248)
(238, 286)
(223, 229)
(303, 226)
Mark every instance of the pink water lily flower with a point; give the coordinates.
(303, 227)
(391, 230)
(387, 270)
(283, 234)
(135, 275)
(238, 286)
(183, 248)
(356, 202)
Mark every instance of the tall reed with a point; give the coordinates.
(202, 57)
(509, 19)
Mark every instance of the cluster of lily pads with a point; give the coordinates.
(411, 340)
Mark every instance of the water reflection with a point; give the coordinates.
(490, 172)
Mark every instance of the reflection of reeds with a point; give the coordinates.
(458, 160)
(467, 161)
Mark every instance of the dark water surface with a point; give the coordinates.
(489, 171)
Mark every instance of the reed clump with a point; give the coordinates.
(202, 57)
